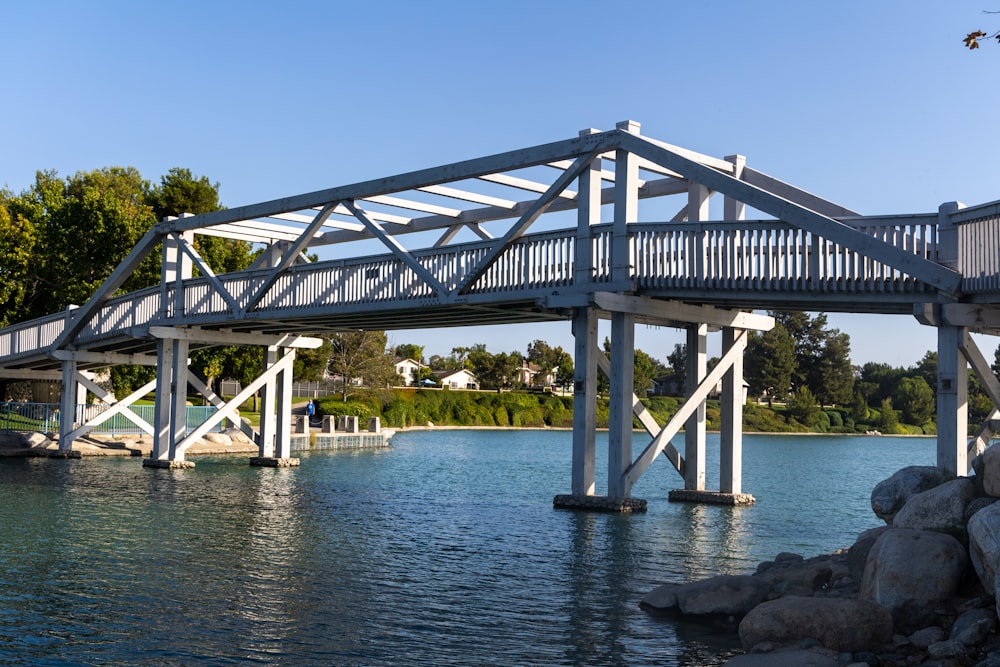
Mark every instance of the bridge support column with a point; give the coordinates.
(731, 438)
(275, 447)
(73, 394)
(584, 401)
(952, 401)
(171, 405)
(694, 428)
(620, 408)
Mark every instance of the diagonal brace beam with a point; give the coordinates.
(991, 386)
(206, 271)
(283, 364)
(647, 420)
(697, 397)
(398, 250)
(534, 211)
(940, 277)
(290, 256)
(118, 408)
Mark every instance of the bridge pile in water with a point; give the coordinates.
(635, 245)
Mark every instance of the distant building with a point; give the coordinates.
(408, 370)
(461, 378)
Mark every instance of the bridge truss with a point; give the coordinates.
(484, 245)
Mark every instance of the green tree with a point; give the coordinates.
(360, 355)
(410, 351)
(915, 399)
(832, 376)
(496, 371)
(551, 361)
(802, 407)
(769, 363)
(888, 417)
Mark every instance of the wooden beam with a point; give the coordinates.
(677, 311)
(223, 337)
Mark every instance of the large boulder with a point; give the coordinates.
(984, 544)
(718, 596)
(908, 571)
(799, 576)
(889, 495)
(941, 509)
(838, 624)
(857, 554)
(988, 470)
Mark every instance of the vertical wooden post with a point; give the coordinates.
(620, 408)
(626, 210)
(268, 414)
(584, 401)
(952, 401)
(162, 444)
(731, 438)
(585, 334)
(178, 397)
(283, 449)
(694, 427)
(69, 399)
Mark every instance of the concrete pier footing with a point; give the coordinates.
(170, 465)
(711, 497)
(599, 503)
(273, 462)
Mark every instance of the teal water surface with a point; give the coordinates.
(441, 550)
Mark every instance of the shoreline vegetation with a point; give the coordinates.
(421, 408)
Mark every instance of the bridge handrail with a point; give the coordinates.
(760, 254)
(978, 247)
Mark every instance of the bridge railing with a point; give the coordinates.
(752, 255)
(20, 417)
(978, 250)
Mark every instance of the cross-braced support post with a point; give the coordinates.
(275, 444)
(73, 394)
(952, 401)
(694, 428)
(584, 401)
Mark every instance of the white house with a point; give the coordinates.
(457, 379)
(408, 370)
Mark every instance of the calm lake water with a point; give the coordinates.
(442, 550)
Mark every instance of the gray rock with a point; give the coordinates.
(909, 571)
(926, 636)
(990, 472)
(838, 624)
(218, 439)
(974, 627)
(949, 648)
(789, 658)
(940, 509)
(978, 504)
(729, 595)
(891, 494)
(984, 544)
(660, 599)
(857, 554)
(804, 577)
(722, 595)
(36, 439)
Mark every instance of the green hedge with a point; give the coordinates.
(403, 408)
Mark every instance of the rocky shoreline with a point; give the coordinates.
(919, 590)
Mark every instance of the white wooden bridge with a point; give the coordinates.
(608, 224)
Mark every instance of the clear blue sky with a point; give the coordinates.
(875, 105)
